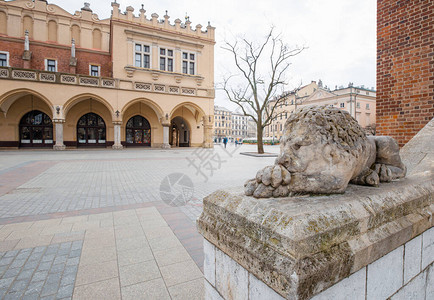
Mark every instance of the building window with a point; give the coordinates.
(51, 65)
(94, 70)
(342, 105)
(142, 56)
(166, 59)
(367, 105)
(358, 105)
(4, 59)
(188, 63)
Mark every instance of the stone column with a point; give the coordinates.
(166, 132)
(117, 136)
(207, 131)
(59, 134)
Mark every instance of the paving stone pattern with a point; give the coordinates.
(40, 272)
(92, 225)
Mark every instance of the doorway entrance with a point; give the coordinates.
(180, 133)
(91, 131)
(36, 130)
(138, 132)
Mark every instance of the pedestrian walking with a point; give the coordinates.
(225, 141)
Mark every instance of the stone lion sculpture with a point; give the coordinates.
(323, 149)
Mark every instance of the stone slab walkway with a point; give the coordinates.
(92, 224)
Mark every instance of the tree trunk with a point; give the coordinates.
(259, 139)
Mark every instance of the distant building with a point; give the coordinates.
(358, 101)
(222, 123)
(292, 100)
(251, 129)
(233, 125)
(239, 126)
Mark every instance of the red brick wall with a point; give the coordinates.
(405, 67)
(40, 53)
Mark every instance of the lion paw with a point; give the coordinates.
(383, 172)
(270, 181)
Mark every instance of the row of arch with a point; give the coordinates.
(90, 121)
(36, 130)
(52, 32)
(9, 97)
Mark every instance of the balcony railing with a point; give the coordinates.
(90, 81)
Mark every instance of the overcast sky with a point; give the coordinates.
(340, 34)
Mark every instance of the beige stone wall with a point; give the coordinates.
(128, 35)
(74, 102)
(9, 122)
(170, 94)
(52, 23)
(80, 109)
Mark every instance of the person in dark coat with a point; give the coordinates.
(225, 141)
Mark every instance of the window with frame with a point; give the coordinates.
(4, 59)
(142, 56)
(51, 65)
(94, 70)
(166, 59)
(342, 105)
(188, 63)
(358, 105)
(367, 105)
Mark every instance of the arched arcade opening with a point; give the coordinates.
(138, 131)
(26, 120)
(180, 133)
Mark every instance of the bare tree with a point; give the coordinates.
(255, 95)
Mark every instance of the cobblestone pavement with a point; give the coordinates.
(91, 224)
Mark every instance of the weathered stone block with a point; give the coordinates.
(209, 261)
(352, 287)
(259, 290)
(385, 275)
(415, 289)
(428, 247)
(300, 246)
(412, 258)
(232, 280)
(210, 292)
(429, 294)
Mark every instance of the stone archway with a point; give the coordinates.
(36, 130)
(138, 131)
(180, 133)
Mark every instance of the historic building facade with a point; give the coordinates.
(233, 125)
(223, 123)
(239, 126)
(360, 102)
(77, 81)
(289, 103)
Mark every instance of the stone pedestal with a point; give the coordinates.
(27, 57)
(117, 137)
(72, 65)
(59, 135)
(369, 243)
(166, 132)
